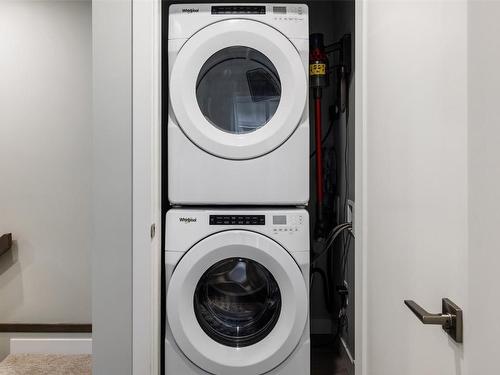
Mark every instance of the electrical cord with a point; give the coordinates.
(332, 232)
(329, 241)
(343, 320)
(346, 147)
(339, 228)
(335, 233)
(345, 253)
(346, 193)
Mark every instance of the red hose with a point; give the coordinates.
(319, 153)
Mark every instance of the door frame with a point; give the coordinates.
(360, 173)
(146, 186)
(146, 101)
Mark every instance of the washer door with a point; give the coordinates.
(238, 89)
(237, 303)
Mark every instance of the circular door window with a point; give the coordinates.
(237, 302)
(238, 89)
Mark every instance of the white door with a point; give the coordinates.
(238, 88)
(429, 193)
(237, 303)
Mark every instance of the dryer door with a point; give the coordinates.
(237, 303)
(238, 89)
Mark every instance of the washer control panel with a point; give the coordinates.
(279, 223)
(238, 9)
(293, 13)
(287, 224)
(237, 219)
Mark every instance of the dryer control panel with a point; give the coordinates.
(185, 20)
(277, 10)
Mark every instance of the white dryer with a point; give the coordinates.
(238, 119)
(237, 286)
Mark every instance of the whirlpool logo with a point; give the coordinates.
(190, 10)
(188, 220)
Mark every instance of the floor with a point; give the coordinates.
(328, 359)
(43, 364)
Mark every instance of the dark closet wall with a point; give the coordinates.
(343, 23)
(334, 19)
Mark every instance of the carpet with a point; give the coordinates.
(46, 364)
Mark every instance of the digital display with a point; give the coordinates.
(279, 220)
(279, 10)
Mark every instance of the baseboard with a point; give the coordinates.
(45, 328)
(51, 345)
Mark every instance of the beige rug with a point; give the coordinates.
(45, 364)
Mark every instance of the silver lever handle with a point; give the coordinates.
(426, 317)
(5, 243)
(451, 318)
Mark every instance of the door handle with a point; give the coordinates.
(451, 317)
(5, 243)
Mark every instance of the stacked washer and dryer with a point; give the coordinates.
(237, 237)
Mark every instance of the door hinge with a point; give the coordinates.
(153, 230)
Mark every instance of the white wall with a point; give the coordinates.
(45, 160)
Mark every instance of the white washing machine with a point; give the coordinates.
(237, 292)
(238, 119)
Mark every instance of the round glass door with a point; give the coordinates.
(238, 89)
(237, 302)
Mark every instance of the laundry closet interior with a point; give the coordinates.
(287, 190)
